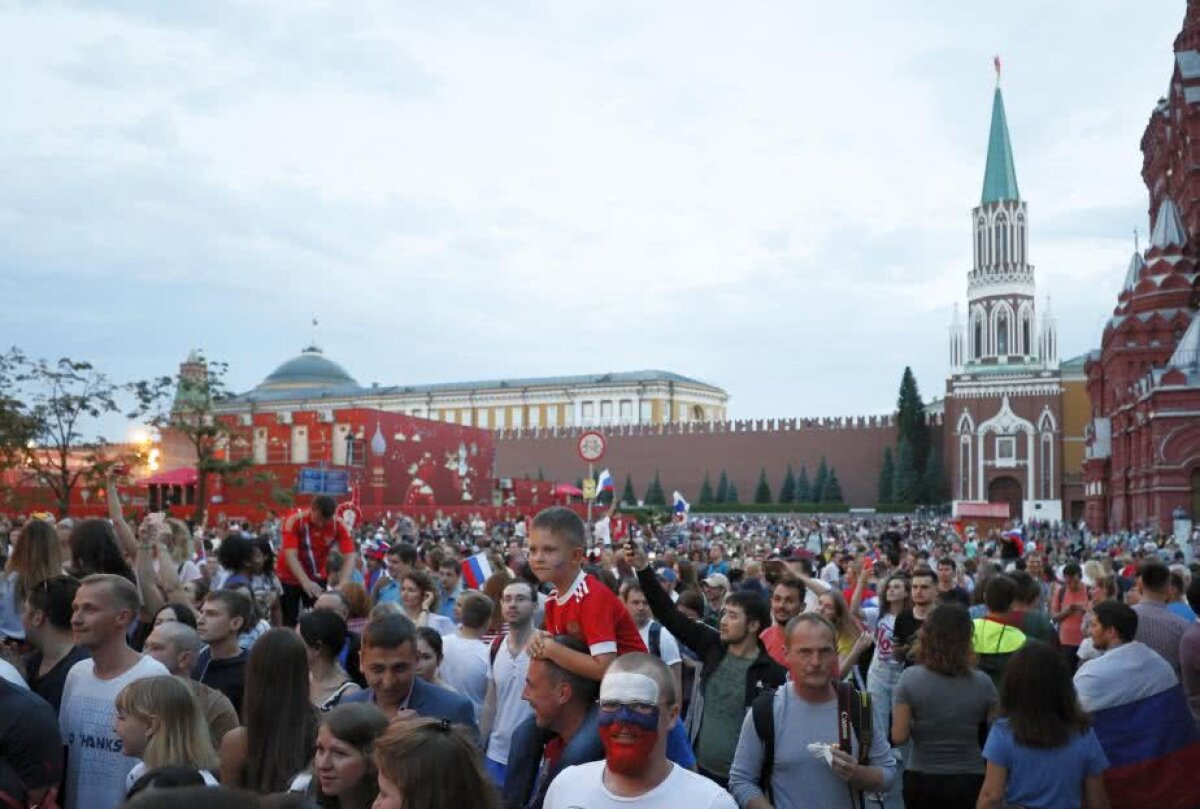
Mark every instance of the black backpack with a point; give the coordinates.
(853, 705)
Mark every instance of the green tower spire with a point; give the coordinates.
(1000, 177)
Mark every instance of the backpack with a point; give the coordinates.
(854, 710)
(656, 639)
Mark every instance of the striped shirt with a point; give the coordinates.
(1160, 629)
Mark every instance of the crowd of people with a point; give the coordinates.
(749, 661)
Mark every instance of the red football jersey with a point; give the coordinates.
(312, 546)
(591, 613)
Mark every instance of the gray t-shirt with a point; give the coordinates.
(946, 716)
(800, 780)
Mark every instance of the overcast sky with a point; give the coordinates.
(772, 197)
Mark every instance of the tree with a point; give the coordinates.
(722, 495)
(762, 494)
(787, 490)
(654, 494)
(706, 491)
(907, 481)
(48, 412)
(818, 490)
(199, 390)
(732, 495)
(887, 475)
(541, 474)
(803, 487)
(933, 484)
(833, 489)
(910, 420)
(627, 495)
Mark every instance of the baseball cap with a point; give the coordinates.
(717, 580)
(668, 574)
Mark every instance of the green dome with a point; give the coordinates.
(312, 369)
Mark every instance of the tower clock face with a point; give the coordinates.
(591, 446)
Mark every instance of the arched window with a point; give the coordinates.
(1001, 237)
(964, 468)
(1002, 334)
(980, 243)
(1047, 467)
(1020, 251)
(977, 341)
(1026, 336)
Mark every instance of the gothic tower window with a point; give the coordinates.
(1001, 237)
(964, 468)
(1020, 254)
(977, 339)
(980, 243)
(1026, 335)
(1002, 334)
(1047, 467)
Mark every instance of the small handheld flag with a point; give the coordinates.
(681, 506)
(605, 482)
(476, 570)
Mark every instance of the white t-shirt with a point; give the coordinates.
(830, 574)
(140, 769)
(668, 646)
(96, 768)
(603, 531)
(583, 786)
(509, 674)
(465, 668)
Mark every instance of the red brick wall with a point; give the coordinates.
(681, 458)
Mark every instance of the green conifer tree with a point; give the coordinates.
(818, 490)
(887, 476)
(803, 487)
(910, 421)
(722, 495)
(933, 484)
(732, 496)
(833, 489)
(787, 490)
(706, 491)
(908, 481)
(762, 493)
(654, 495)
(627, 494)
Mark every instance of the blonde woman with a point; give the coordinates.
(160, 722)
(35, 557)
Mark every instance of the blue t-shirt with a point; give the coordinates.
(1045, 779)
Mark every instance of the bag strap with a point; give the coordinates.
(495, 650)
(762, 710)
(656, 639)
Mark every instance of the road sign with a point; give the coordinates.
(589, 489)
(591, 446)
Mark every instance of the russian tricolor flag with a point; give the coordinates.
(605, 482)
(1153, 752)
(681, 506)
(476, 570)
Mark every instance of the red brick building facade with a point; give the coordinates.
(1143, 460)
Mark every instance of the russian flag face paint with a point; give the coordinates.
(629, 716)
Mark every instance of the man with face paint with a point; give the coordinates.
(638, 706)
